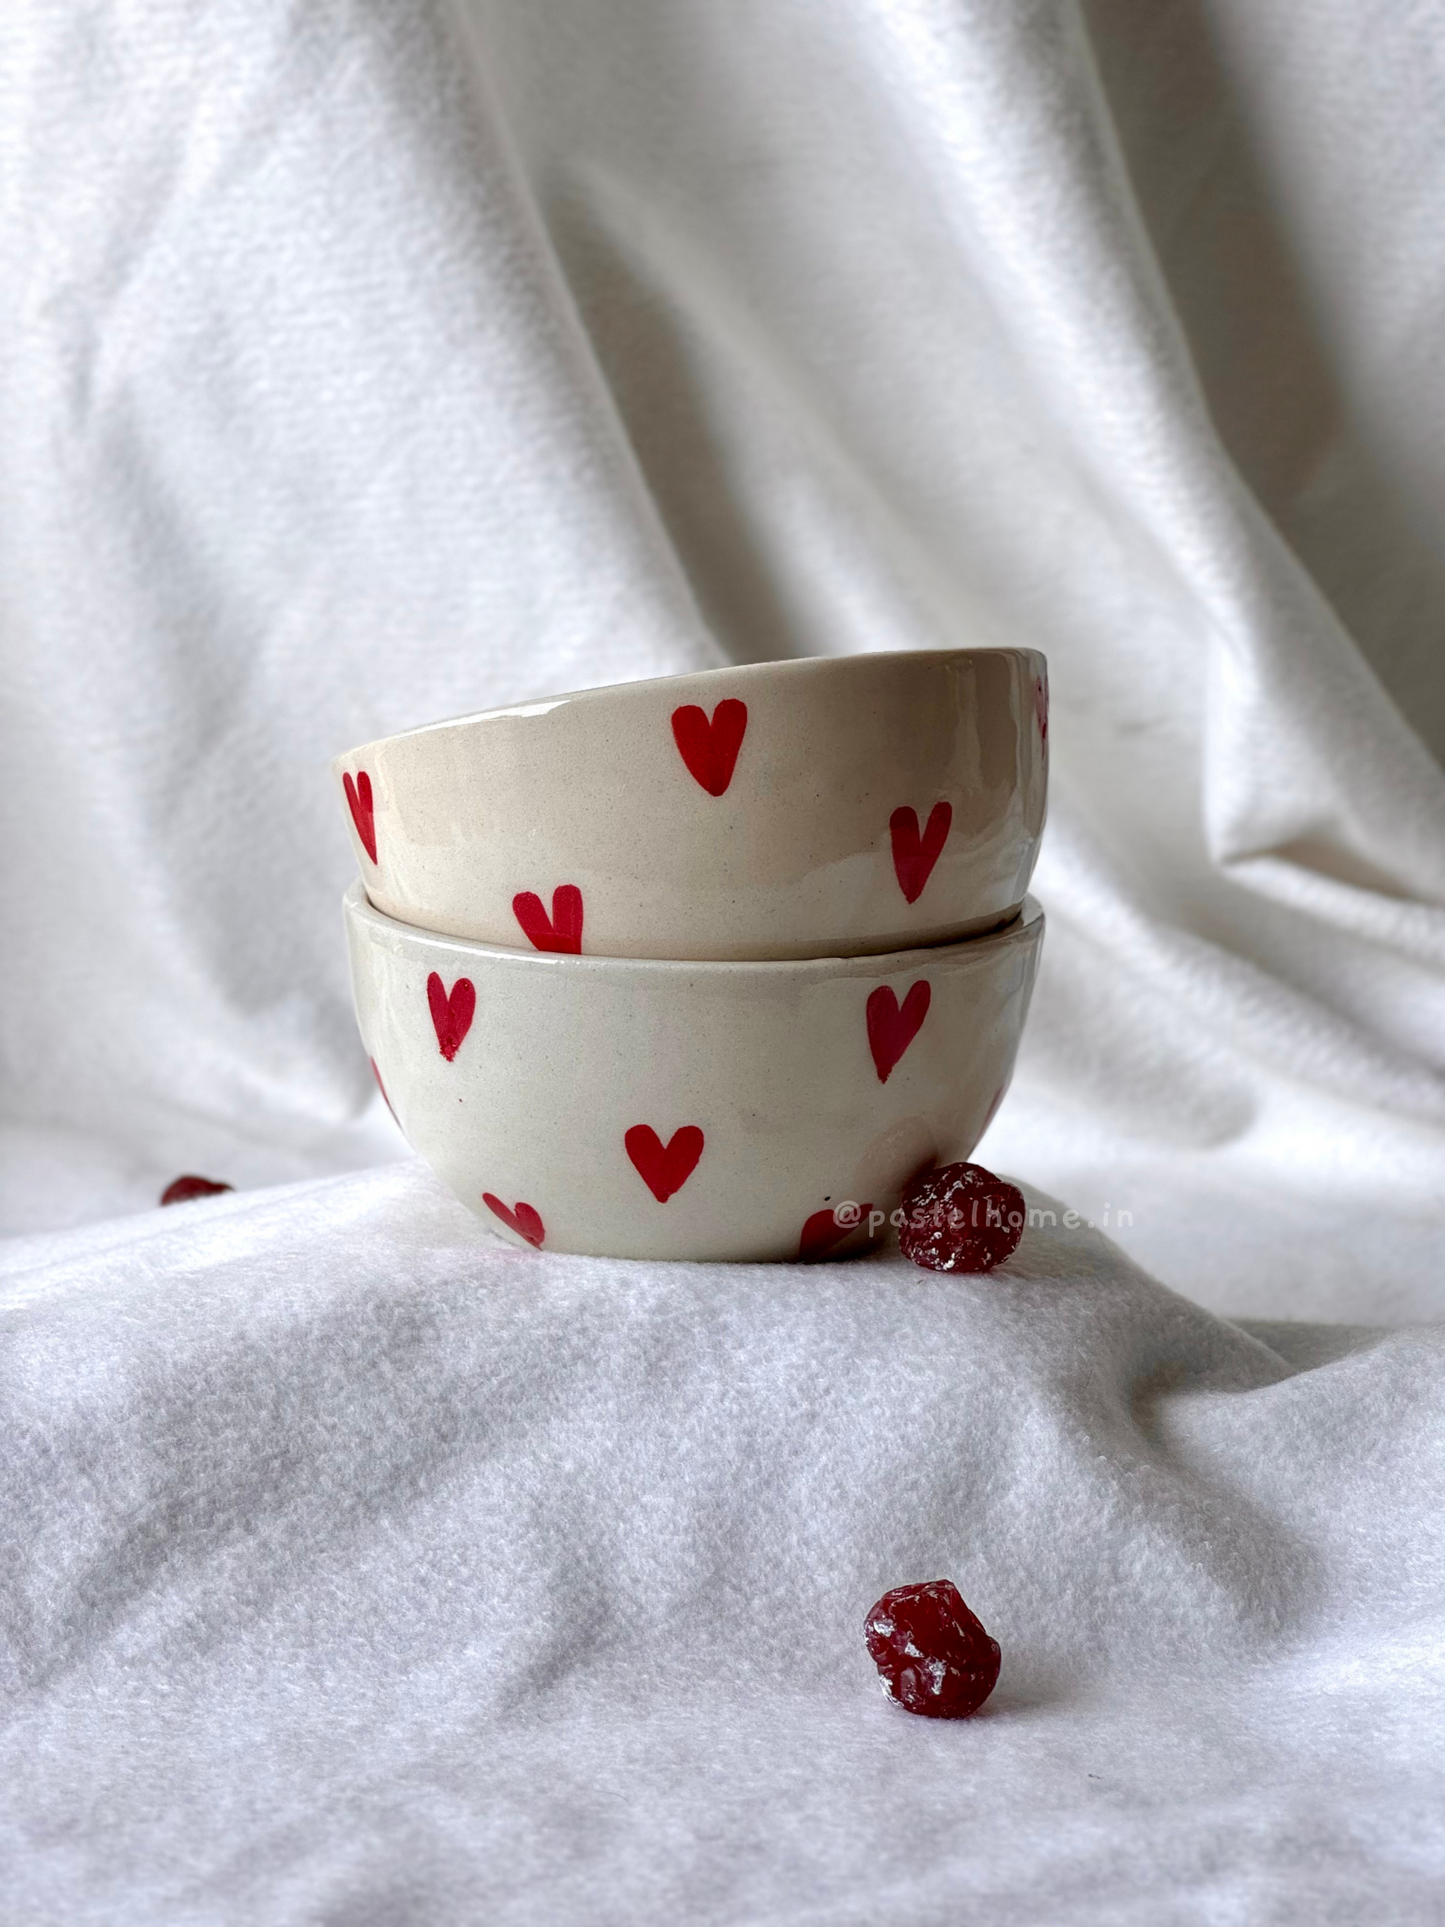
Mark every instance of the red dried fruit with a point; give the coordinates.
(182, 1190)
(932, 1655)
(960, 1218)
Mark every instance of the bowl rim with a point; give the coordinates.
(743, 672)
(1027, 925)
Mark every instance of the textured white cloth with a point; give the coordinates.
(367, 364)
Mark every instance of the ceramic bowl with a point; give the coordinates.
(645, 1109)
(830, 807)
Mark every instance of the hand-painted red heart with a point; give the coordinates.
(363, 815)
(525, 1220)
(451, 1015)
(562, 931)
(915, 856)
(822, 1231)
(382, 1088)
(891, 1029)
(182, 1190)
(710, 749)
(664, 1169)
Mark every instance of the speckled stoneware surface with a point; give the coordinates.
(638, 1109)
(829, 807)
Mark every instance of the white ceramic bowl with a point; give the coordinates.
(831, 807)
(636, 1109)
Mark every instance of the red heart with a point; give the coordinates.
(710, 749)
(382, 1088)
(182, 1190)
(822, 1231)
(891, 1030)
(664, 1171)
(358, 797)
(562, 930)
(451, 1015)
(1041, 706)
(915, 856)
(525, 1220)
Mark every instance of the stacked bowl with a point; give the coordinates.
(705, 967)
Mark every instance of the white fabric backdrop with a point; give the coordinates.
(369, 364)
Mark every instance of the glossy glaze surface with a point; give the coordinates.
(828, 807)
(672, 1110)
